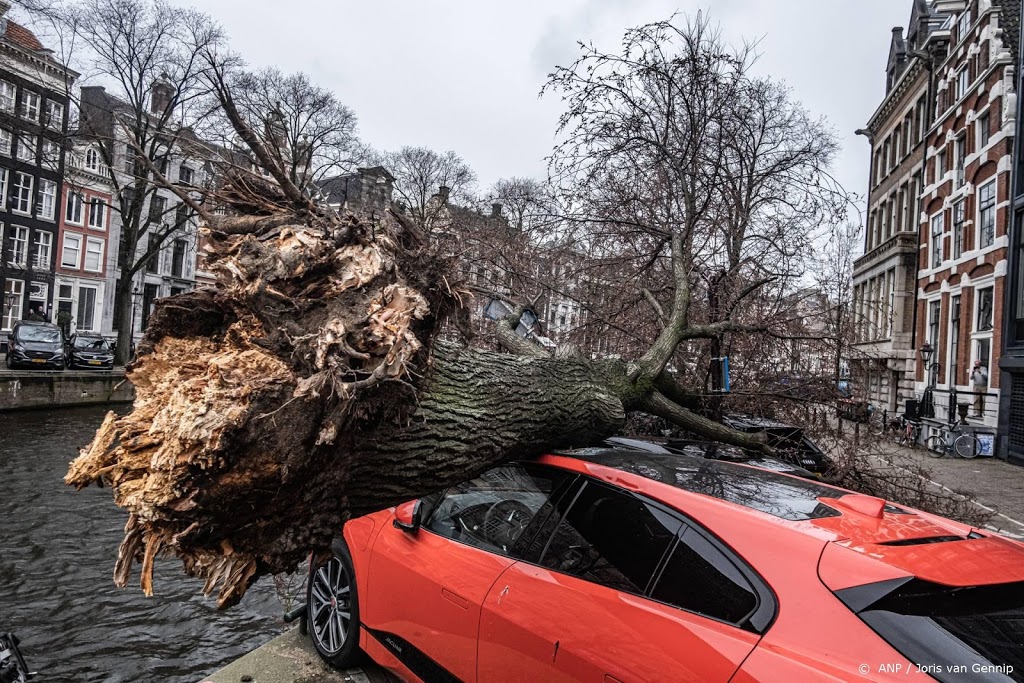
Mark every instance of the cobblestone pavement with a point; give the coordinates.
(996, 485)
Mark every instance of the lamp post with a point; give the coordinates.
(135, 298)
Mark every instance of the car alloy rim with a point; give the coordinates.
(330, 611)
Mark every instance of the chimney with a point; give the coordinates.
(495, 210)
(443, 193)
(161, 94)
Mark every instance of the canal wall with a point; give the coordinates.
(42, 389)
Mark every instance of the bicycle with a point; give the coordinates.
(909, 432)
(945, 442)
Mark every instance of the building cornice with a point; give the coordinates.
(896, 95)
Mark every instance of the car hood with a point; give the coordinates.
(51, 347)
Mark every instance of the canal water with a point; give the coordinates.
(57, 550)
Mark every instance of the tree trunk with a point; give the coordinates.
(123, 303)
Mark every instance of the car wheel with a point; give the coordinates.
(332, 608)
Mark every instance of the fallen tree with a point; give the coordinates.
(330, 372)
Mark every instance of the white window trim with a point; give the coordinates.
(28, 244)
(99, 262)
(81, 213)
(931, 240)
(51, 106)
(14, 96)
(31, 189)
(39, 203)
(20, 303)
(95, 306)
(63, 250)
(103, 215)
(25, 96)
(10, 141)
(49, 249)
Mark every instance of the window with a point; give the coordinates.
(93, 255)
(954, 338)
(51, 155)
(963, 23)
(940, 165)
(153, 262)
(129, 160)
(44, 243)
(182, 215)
(29, 105)
(6, 141)
(37, 291)
(22, 193)
(97, 213)
(157, 207)
(178, 257)
(72, 251)
(46, 202)
(74, 211)
(4, 174)
(984, 310)
(934, 311)
(86, 309)
(185, 175)
(7, 91)
(611, 538)
(963, 81)
(493, 511)
(26, 148)
(699, 577)
(987, 215)
(960, 148)
(54, 115)
(983, 130)
(92, 160)
(19, 246)
(938, 227)
(958, 228)
(14, 294)
(149, 295)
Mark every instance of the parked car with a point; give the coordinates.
(789, 439)
(35, 345)
(612, 564)
(713, 451)
(89, 351)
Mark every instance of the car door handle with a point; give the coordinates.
(457, 599)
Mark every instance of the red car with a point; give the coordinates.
(615, 565)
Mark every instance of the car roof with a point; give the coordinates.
(735, 500)
(36, 323)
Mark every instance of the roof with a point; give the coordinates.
(21, 36)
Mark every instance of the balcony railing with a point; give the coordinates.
(900, 242)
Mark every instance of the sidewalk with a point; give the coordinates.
(997, 487)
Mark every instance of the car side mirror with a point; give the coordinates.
(408, 516)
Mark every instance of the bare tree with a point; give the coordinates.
(421, 175)
(138, 114)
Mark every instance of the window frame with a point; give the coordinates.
(80, 221)
(41, 195)
(26, 141)
(984, 123)
(28, 96)
(99, 258)
(53, 106)
(93, 202)
(13, 260)
(983, 206)
(38, 243)
(78, 251)
(8, 103)
(78, 309)
(935, 255)
(6, 141)
(18, 193)
(8, 312)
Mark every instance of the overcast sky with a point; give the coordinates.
(465, 74)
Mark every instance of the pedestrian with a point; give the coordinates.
(35, 315)
(979, 379)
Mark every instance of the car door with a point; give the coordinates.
(615, 596)
(426, 588)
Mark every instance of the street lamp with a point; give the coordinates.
(930, 368)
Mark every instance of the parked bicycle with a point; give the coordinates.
(908, 433)
(952, 439)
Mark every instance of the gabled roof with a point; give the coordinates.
(919, 14)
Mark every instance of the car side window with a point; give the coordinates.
(612, 538)
(699, 577)
(493, 511)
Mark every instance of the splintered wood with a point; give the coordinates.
(242, 390)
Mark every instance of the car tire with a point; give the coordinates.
(331, 594)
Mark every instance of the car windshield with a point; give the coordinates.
(32, 333)
(91, 343)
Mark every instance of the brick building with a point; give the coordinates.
(962, 260)
(33, 126)
(882, 357)
(82, 263)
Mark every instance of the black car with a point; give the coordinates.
(90, 351)
(35, 345)
(711, 451)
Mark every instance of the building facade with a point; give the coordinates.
(34, 91)
(83, 244)
(882, 356)
(1010, 443)
(964, 230)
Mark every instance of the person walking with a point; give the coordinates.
(979, 379)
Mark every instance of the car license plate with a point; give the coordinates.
(38, 360)
(95, 362)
